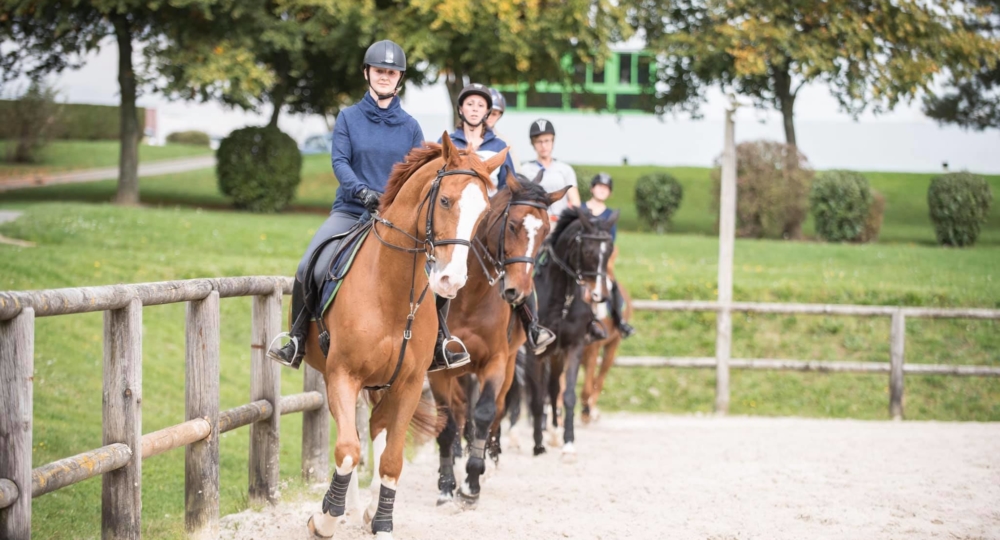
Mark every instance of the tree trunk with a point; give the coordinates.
(128, 160)
(278, 101)
(455, 82)
(785, 98)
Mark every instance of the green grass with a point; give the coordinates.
(61, 156)
(906, 215)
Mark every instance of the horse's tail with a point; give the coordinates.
(426, 423)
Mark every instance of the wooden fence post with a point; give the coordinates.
(897, 336)
(201, 400)
(315, 431)
(17, 360)
(727, 234)
(121, 499)
(265, 383)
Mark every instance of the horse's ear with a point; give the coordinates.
(538, 177)
(497, 160)
(513, 184)
(613, 218)
(556, 195)
(448, 150)
(585, 218)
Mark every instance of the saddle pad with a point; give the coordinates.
(343, 259)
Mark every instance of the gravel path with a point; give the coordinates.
(654, 476)
(152, 168)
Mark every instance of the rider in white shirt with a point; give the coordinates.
(556, 174)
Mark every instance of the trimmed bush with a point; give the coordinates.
(840, 202)
(80, 122)
(259, 168)
(657, 197)
(959, 203)
(193, 138)
(30, 124)
(873, 222)
(772, 189)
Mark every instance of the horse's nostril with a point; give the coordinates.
(510, 295)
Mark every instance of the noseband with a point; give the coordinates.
(500, 261)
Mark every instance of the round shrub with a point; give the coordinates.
(657, 197)
(959, 203)
(873, 222)
(840, 202)
(193, 138)
(772, 189)
(259, 167)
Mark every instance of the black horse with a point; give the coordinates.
(571, 275)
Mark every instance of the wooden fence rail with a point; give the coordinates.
(119, 461)
(896, 367)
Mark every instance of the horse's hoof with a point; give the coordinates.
(445, 498)
(369, 516)
(569, 453)
(324, 525)
(468, 500)
(383, 536)
(555, 440)
(585, 418)
(539, 450)
(595, 414)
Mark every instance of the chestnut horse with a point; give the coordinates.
(433, 204)
(607, 349)
(505, 246)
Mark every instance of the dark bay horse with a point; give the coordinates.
(607, 350)
(505, 246)
(379, 339)
(569, 279)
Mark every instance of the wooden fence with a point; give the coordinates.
(118, 461)
(896, 367)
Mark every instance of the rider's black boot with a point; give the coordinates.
(539, 337)
(617, 304)
(443, 357)
(294, 351)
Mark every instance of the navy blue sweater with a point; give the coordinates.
(367, 142)
(491, 144)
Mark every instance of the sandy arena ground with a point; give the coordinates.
(654, 476)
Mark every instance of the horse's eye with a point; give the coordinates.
(445, 202)
(512, 227)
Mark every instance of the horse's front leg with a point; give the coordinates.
(491, 384)
(536, 398)
(441, 387)
(341, 394)
(390, 419)
(569, 401)
(589, 362)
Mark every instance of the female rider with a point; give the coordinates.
(475, 107)
(368, 139)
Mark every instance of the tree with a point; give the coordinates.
(974, 102)
(505, 42)
(308, 54)
(48, 36)
(872, 54)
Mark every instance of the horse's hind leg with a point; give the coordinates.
(555, 397)
(608, 360)
(485, 412)
(441, 386)
(536, 397)
(341, 393)
(569, 400)
(589, 370)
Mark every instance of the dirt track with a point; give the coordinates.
(651, 476)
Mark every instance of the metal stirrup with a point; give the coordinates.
(274, 356)
(444, 348)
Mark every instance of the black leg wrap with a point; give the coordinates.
(383, 516)
(334, 502)
(446, 476)
(475, 466)
(493, 448)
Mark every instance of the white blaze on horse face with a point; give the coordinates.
(600, 264)
(448, 281)
(532, 225)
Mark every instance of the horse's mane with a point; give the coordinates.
(568, 217)
(417, 158)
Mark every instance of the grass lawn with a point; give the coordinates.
(61, 156)
(88, 244)
(906, 215)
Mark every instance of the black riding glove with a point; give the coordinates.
(369, 199)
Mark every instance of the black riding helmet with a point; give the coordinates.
(541, 127)
(387, 55)
(475, 89)
(499, 102)
(602, 178)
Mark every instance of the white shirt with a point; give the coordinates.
(556, 176)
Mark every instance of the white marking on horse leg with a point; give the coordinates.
(345, 466)
(353, 498)
(531, 224)
(471, 206)
(390, 482)
(378, 446)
